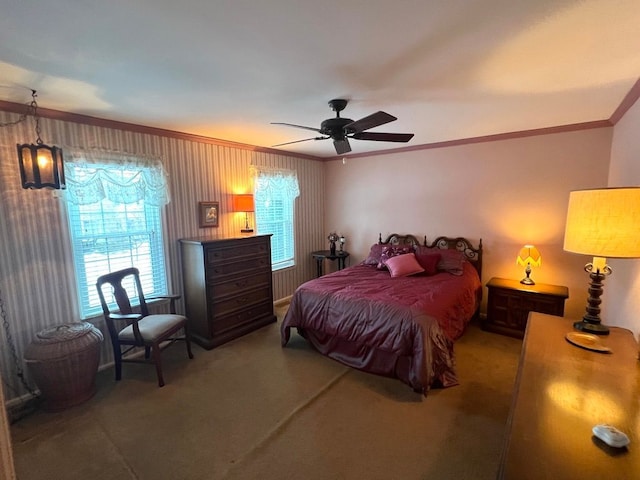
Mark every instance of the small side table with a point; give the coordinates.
(510, 302)
(321, 255)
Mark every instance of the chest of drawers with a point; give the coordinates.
(228, 287)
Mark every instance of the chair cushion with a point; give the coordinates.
(153, 327)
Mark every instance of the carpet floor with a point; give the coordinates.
(253, 410)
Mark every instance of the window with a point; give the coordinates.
(275, 191)
(115, 221)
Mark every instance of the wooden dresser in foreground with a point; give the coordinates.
(228, 287)
(510, 302)
(561, 392)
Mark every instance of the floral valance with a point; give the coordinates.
(94, 175)
(269, 179)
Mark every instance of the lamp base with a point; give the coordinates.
(247, 230)
(595, 328)
(527, 281)
(591, 321)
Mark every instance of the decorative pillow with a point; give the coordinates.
(391, 251)
(403, 265)
(374, 254)
(429, 261)
(452, 261)
(422, 250)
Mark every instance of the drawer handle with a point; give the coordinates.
(248, 313)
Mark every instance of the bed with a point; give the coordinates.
(376, 318)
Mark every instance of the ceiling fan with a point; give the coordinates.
(342, 129)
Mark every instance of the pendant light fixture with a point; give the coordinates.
(41, 166)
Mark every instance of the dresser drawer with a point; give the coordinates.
(231, 321)
(222, 254)
(217, 272)
(219, 289)
(243, 300)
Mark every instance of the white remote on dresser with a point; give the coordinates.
(611, 435)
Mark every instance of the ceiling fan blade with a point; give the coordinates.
(297, 126)
(370, 121)
(383, 137)
(298, 141)
(342, 146)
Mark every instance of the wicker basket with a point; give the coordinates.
(63, 361)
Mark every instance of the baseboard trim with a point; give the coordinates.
(19, 407)
(283, 301)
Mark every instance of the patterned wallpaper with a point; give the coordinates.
(36, 271)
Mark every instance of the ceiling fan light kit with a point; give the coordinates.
(340, 130)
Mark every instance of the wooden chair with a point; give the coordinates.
(131, 329)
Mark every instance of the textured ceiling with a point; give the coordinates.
(448, 70)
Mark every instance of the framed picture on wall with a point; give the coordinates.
(208, 212)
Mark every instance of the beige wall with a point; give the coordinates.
(621, 298)
(508, 193)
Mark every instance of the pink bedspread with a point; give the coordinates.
(398, 327)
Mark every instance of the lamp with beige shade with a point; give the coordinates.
(603, 223)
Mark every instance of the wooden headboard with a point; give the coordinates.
(397, 239)
(473, 254)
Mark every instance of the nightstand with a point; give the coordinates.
(510, 302)
(321, 255)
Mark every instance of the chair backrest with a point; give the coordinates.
(119, 281)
